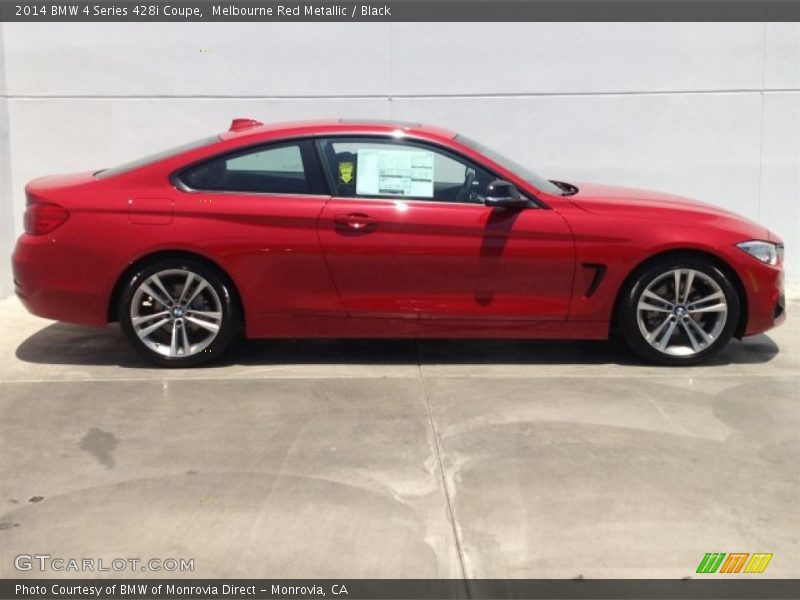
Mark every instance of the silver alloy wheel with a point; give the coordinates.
(176, 313)
(682, 312)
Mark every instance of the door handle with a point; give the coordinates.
(355, 221)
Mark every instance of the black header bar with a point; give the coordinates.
(399, 10)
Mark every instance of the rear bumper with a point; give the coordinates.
(52, 284)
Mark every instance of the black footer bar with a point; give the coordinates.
(392, 589)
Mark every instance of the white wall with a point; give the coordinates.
(7, 212)
(707, 110)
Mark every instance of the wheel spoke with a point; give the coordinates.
(677, 286)
(208, 314)
(689, 281)
(707, 337)
(718, 295)
(204, 324)
(721, 307)
(156, 295)
(187, 348)
(695, 344)
(664, 343)
(155, 279)
(653, 335)
(146, 318)
(173, 344)
(143, 333)
(186, 285)
(653, 296)
(200, 287)
(649, 307)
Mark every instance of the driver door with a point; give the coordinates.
(406, 234)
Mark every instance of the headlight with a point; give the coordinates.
(766, 252)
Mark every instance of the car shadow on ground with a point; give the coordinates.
(64, 344)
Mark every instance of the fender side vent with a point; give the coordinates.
(597, 278)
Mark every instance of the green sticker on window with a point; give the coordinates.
(345, 172)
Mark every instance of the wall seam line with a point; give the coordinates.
(762, 90)
(761, 128)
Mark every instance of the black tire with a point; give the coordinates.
(660, 271)
(224, 303)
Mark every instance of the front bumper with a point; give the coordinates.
(766, 299)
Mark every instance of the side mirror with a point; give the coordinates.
(502, 194)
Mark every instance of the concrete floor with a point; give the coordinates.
(398, 459)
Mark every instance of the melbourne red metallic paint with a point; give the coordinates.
(417, 269)
(444, 260)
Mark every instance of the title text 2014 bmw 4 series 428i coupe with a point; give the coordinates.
(376, 229)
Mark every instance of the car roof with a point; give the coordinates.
(250, 128)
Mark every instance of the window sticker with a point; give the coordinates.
(345, 172)
(392, 172)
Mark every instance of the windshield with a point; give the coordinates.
(141, 162)
(537, 181)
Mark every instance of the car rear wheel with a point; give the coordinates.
(178, 313)
(679, 311)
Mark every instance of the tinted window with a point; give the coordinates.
(537, 181)
(130, 166)
(288, 168)
(375, 168)
(277, 160)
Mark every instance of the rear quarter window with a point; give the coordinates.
(282, 168)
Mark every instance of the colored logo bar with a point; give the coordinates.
(714, 562)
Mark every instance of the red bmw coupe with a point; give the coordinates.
(380, 229)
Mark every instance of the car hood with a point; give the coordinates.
(645, 204)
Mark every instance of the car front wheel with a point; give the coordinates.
(679, 312)
(178, 313)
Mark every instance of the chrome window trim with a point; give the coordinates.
(179, 185)
(316, 138)
(410, 141)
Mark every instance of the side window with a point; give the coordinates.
(285, 160)
(374, 168)
(278, 169)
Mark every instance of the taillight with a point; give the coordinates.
(44, 217)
